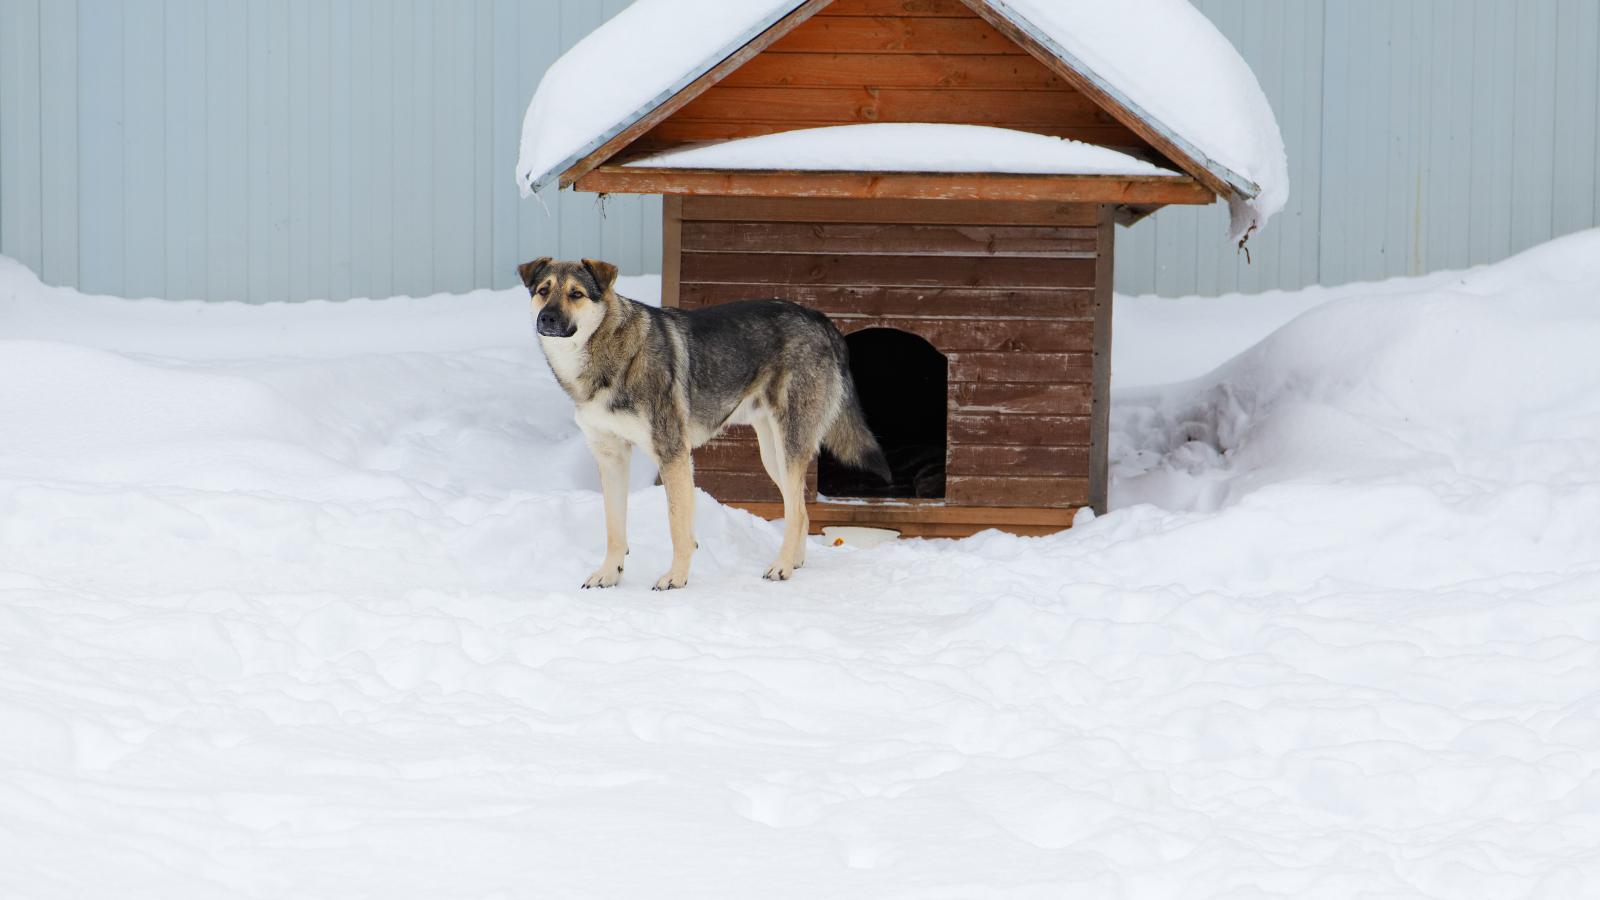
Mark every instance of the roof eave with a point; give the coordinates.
(1216, 175)
(1114, 190)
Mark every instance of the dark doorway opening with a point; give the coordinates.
(902, 382)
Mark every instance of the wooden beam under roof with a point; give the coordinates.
(1116, 190)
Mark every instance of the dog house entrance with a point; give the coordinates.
(902, 382)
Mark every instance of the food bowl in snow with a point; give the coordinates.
(857, 536)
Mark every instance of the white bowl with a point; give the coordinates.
(856, 536)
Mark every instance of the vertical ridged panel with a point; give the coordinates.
(21, 148)
(234, 150)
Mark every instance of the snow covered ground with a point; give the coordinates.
(287, 609)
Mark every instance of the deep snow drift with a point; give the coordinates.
(287, 608)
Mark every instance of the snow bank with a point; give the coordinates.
(194, 329)
(1161, 56)
(1179, 339)
(890, 147)
(287, 608)
(1463, 388)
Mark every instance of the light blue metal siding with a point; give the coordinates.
(1577, 87)
(103, 147)
(1422, 135)
(243, 150)
(21, 201)
(226, 152)
(235, 149)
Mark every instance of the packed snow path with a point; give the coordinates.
(287, 608)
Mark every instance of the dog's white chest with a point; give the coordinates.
(596, 416)
(567, 357)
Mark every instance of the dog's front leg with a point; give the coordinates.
(677, 476)
(612, 456)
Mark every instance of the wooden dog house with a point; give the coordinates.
(977, 305)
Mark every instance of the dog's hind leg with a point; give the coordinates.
(771, 445)
(796, 521)
(768, 439)
(792, 462)
(612, 456)
(677, 475)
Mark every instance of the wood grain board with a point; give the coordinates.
(884, 302)
(1010, 294)
(929, 520)
(1118, 190)
(863, 61)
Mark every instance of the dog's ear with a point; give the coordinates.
(531, 271)
(605, 274)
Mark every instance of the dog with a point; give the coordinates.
(669, 380)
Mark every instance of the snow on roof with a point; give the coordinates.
(627, 67)
(890, 147)
(1171, 65)
(1162, 59)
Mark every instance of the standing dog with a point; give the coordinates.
(669, 380)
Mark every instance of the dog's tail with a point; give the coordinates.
(851, 441)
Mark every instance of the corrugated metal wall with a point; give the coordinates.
(1422, 135)
(271, 149)
(287, 149)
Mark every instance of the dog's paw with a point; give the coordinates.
(671, 582)
(781, 571)
(604, 577)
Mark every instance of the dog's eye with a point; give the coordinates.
(576, 295)
(544, 290)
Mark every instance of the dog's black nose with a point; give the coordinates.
(550, 324)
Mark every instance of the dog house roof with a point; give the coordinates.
(1159, 64)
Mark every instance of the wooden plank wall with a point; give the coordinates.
(1005, 291)
(861, 61)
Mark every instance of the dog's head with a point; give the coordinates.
(569, 298)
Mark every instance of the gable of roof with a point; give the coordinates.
(654, 65)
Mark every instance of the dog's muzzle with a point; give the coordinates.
(549, 324)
